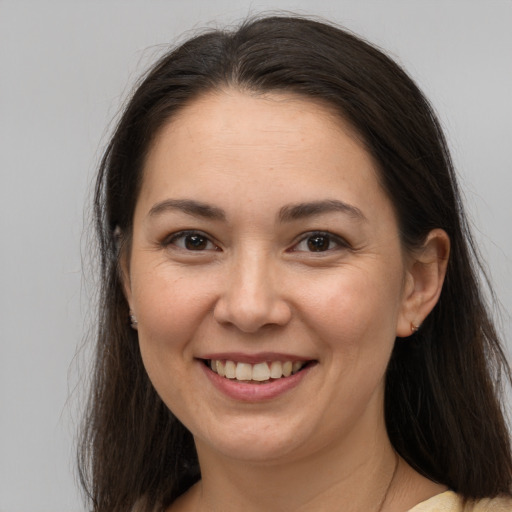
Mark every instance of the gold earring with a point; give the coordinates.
(414, 328)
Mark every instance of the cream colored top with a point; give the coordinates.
(450, 502)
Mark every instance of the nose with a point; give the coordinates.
(251, 297)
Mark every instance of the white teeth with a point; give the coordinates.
(297, 365)
(259, 372)
(276, 369)
(243, 371)
(230, 368)
(221, 370)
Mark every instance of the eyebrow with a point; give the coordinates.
(287, 213)
(302, 210)
(188, 206)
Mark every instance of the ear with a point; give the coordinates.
(124, 266)
(425, 273)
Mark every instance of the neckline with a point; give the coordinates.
(447, 497)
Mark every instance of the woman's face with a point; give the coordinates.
(263, 244)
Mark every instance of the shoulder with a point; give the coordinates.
(500, 504)
(451, 502)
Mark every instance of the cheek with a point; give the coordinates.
(355, 310)
(170, 308)
(169, 304)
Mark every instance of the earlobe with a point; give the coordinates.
(424, 281)
(133, 321)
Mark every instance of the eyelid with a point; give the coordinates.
(339, 240)
(171, 239)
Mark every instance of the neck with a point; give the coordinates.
(353, 476)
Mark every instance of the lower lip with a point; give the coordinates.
(251, 392)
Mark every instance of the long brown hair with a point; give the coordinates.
(442, 403)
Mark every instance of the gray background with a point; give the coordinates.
(65, 69)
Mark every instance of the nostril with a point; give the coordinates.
(250, 315)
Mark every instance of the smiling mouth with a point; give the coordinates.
(259, 373)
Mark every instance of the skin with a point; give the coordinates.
(254, 285)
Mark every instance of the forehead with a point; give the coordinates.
(233, 145)
(223, 114)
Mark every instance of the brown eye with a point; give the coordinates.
(320, 242)
(191, 241)
(195, 242)
(317, 243)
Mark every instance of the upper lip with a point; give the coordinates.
(260, 357)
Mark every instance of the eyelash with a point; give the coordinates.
(182, 235)
(339, 242)
(202, 238)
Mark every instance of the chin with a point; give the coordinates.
(253, 441)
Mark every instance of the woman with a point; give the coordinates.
(279, 219)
